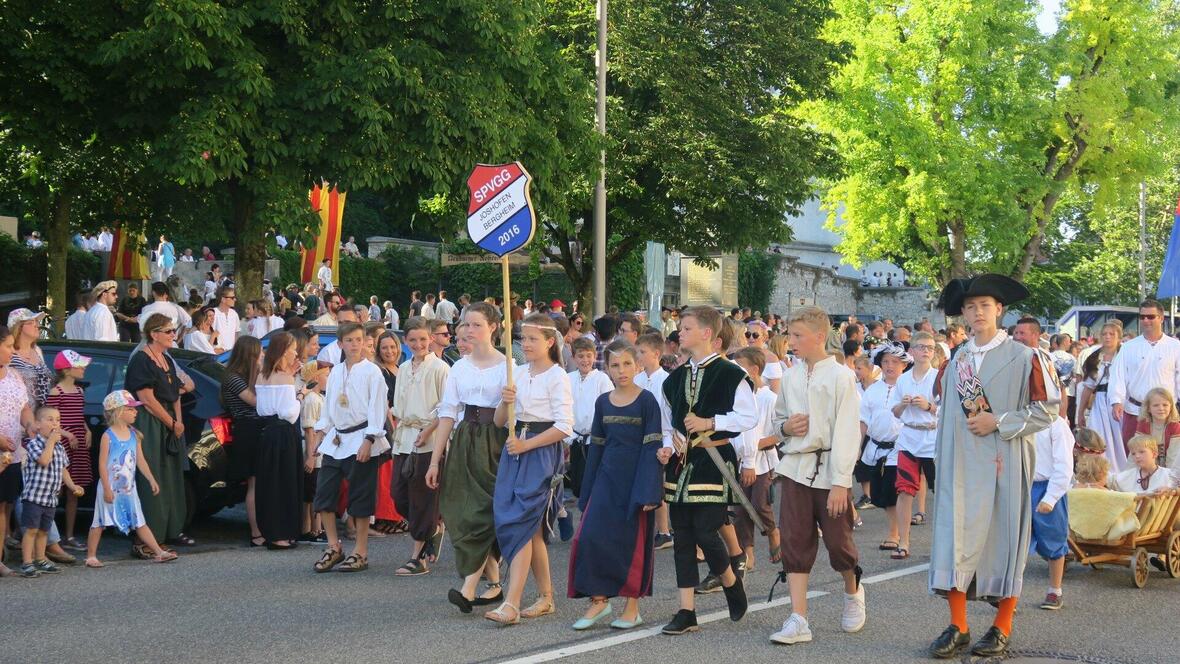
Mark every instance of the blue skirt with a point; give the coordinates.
(526, 498)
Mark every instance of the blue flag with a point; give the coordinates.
(1170, 275)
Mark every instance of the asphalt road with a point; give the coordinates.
(226, 602)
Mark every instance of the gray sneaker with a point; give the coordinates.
(29, 571)
(1052, 602)
(46, 567)
(711, 584)
(663, 541)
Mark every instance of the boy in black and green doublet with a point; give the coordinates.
(694, 488)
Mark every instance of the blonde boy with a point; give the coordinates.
(817, 414)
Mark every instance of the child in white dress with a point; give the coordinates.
(120, 454)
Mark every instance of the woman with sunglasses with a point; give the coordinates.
(757, 336)
(153, 378)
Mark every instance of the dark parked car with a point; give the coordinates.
(206, 424)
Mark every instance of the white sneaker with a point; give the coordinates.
(854, 611)
(795, 630)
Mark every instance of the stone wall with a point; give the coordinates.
(799, 284)
(905, 305)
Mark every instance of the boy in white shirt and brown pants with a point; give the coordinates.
(817, 413)
(651, 348)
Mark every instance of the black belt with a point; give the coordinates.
(352, 429)
(531, 427)
(479, 414)
(1134, 402)
(1101, 388)
(883, 445)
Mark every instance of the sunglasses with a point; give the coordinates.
(753, 335)
(229, 297)
(170, 330)
(1148, 316)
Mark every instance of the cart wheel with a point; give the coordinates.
(1174, 554)
(1139, 567)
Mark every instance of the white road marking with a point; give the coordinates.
(636, 635)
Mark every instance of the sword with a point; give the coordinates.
(699, 440)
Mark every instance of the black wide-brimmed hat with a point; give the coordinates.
(1006, 290)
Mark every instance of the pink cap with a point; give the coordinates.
(68, 359)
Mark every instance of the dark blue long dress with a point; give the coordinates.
(612, 554)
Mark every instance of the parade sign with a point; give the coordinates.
(500, 214)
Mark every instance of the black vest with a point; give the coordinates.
(716, 385)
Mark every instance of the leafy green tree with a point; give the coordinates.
(962, 126)
(255, 100)
(704, 153)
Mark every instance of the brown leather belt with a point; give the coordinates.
(479, 415)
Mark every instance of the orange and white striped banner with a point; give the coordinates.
(128, 259)
(329, 203)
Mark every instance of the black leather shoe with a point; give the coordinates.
(735, 597)
(685, 621)
(950, 643)
(455, 597)
(993, 644)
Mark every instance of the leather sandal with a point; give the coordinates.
(499, 616)
(354, 563)
(412, 567)
(330, 559)
(542, 607)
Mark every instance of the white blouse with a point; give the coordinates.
(198, 341)
(277, 400)
(1128, 481)
(876, 412)
(261, 326)
(468, 385)
(546, 397)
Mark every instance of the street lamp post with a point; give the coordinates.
(600, 187)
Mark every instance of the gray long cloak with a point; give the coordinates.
(983, 514)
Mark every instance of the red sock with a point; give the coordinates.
(1004, 616)
(957, 599)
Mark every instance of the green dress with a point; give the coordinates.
(164, 513)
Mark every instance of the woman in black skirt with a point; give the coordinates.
(237, 395)
(278, 483)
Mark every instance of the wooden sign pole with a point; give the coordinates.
(507, 338)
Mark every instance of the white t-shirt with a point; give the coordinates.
(762, 461)
(325, 277)
(76, 325)
(586, 391)
(919, 442)
(226, 323)
(392, 320)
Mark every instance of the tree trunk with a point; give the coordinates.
(249, 244)
(57, 239)
(958, 237)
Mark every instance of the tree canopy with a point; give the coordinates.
(962, 126)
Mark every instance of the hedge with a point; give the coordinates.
(28, 269)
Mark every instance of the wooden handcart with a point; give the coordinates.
(1157, 534)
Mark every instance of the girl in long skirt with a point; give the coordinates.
(468, 477)
(1096, 374)
(279, 485)
(612, 554)
(527, 499)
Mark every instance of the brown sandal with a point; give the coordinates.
(542, 607)
(330, 559)
(354, 563)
